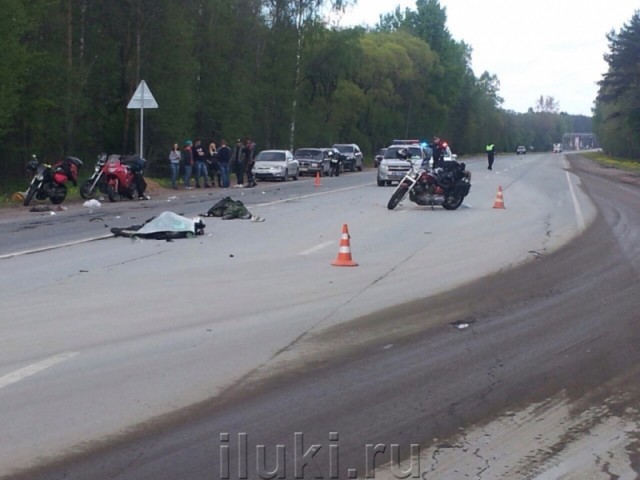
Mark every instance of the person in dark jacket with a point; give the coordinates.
(214, 164)
(224, 159)
(439, 149)
(238, 163)
(136, 164)
(187, 161)
(200, 164)
(248, 154)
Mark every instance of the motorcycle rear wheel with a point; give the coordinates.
(132, 194)
(111, 193)
(452, 202)
(86, 191)
(59, 194)
(397, 197)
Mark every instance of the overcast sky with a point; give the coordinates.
(543, 47)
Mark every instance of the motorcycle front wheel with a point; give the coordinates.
(30, 194)
(87, 191)
(397, 197)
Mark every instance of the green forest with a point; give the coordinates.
(272, 70)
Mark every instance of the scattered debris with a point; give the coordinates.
(92, 204)
(41, 208)
(18, 197)
(463, 324)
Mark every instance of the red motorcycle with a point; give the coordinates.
(49, 181)
(123, 177)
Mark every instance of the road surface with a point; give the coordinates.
(404, 350)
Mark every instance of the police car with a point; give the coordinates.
(393, 169)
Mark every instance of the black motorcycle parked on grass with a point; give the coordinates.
(49, 181)
(97, 181)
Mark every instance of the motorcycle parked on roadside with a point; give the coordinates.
(446, 186)
(49, 181)
(124, 178)
(97, 181)
(335, 164)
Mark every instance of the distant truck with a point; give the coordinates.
(557, 148)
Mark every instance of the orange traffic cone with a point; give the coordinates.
(317, 184)
(344, 255)
(499, 203)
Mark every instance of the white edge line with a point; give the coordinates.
(309, 195)
(576, 204)
(29, 370)
(53, 247)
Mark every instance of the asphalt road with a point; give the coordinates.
(543, 321)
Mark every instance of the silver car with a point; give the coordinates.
(276, 164)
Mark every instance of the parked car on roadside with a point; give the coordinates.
(313, 160)
(521, 150)
(393, 169)
(351, 156)
(276, 164)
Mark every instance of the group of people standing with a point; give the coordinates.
(213, 165)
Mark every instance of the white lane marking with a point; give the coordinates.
(576, 205)
(53, 247)
(309, 195)
(317, 248)
(29, 370)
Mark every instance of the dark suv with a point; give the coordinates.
(351, 156)
(313, 160)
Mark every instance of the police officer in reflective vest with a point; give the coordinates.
(491, 150)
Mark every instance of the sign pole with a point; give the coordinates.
(142, 121)
(142, 98)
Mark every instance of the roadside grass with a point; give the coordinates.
(628, 165)
(73, 193)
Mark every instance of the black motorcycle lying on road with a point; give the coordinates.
(446, 185)
(49, 181)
